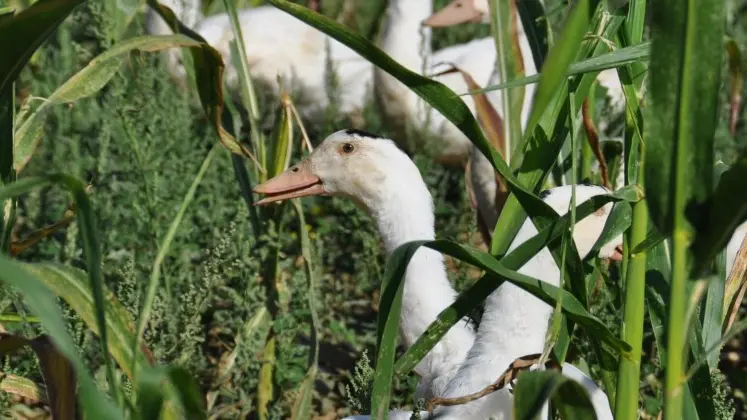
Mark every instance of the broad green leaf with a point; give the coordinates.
(476, 294)
(70, 284)
(86, 82)
(59, 377)
(187, 393)
(28, 29)
(42, 303)
(684, 77)
(534, 389)
(601, 62)
(91, 249)
(390, 306)
(684, 80)
(151, 396)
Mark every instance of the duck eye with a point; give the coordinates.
(347, 148)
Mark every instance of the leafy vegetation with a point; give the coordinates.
(132, 254)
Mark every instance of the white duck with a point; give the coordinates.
(278, 44)
(380, 178)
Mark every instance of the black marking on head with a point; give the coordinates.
(586, 181)
(366, 134)
(544, 194)
(361, 133)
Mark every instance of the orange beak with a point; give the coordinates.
(458, 11)
(296, 181)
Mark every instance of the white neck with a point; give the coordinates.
(403, 36)
(409, 43)
(407, 215)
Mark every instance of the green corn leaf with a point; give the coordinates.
(28, 28)
(684, 80)
(533, 389)
(91, 250)
(685, 72)
(42, 303)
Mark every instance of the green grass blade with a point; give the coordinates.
(617, 58)
(685, 72)
(7, 139)
(535, 388)
(163, 249)
(572, 307)
(390, 306)
(43, 304)
(29, 28)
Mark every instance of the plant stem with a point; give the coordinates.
(676, 325)
(629, 369)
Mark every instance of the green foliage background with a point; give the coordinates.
(141, 140)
